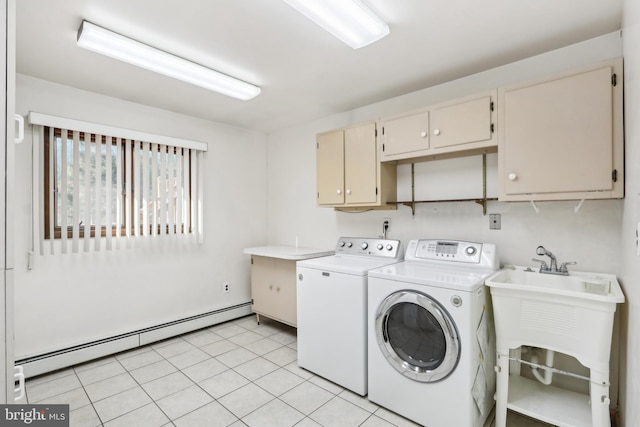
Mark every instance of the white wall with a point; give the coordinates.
(591, 237)
(75, 298)
(630, 365)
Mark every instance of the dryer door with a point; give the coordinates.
(417, 336)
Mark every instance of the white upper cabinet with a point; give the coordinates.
(562, 137)
(460, 127)
(349, 173)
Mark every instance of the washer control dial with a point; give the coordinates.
(470, 250)
(364, 245)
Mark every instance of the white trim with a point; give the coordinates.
(65, 123)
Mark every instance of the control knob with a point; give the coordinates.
(349, 244)
(364, 245)
(341, 244)
(470, 250)
(389, 246)
(380, 246)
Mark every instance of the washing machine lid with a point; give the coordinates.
(466, 280)
(346, 264)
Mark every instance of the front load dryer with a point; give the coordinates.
(431, 345)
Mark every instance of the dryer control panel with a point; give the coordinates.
(452, 251)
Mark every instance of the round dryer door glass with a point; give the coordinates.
(417, 336)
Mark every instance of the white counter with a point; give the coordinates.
(288, 252)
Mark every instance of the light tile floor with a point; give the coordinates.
(234, 374)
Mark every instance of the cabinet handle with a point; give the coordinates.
(436, 132)
(423, 134)
(348, 191)
(338, 191)
(513, 176)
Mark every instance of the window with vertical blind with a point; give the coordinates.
(102, 186)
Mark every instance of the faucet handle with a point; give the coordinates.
(563, 266)
(543, 264)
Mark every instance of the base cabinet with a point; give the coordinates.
(273, 280)
(273, 288)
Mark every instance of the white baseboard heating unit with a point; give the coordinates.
(48, 362)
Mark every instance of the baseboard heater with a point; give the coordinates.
(48, 362)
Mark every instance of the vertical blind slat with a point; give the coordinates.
(52, 195)
(128, 178)
(108, 178)
(38, 190)
(179, 193)
(75, 232)
(200, 172)
(119, 192)
(63, 190)
(86, 178)
(163, 190)
(194, 195)
(144, 169)
(97, 170)
(154, 189)
(135, 185)
(171, 188)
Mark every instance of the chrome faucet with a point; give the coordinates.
(553, 268)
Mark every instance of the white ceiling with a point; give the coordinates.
(305, 73)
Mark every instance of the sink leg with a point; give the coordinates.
(502, 388)
(599, 392)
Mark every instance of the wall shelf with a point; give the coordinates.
(479, 200)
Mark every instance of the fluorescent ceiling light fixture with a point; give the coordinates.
(105, 42)
(349, 20)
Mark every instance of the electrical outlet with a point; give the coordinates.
(494, 222)
(386, 224)
(225, 287)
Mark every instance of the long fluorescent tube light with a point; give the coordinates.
(349, 20)
(105, 42)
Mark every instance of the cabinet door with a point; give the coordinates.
(285, 291)
(262, 279)
(330, 168)
(405, 134)
(558, 135)
(461, 123)
(361, 165)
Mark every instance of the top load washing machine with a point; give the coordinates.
(332, 309)
(430, 334)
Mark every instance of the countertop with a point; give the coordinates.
(288, 252)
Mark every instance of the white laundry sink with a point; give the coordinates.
(589, 286)
(571, 314)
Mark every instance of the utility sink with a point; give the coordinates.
(571, 314)
(589, 286)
